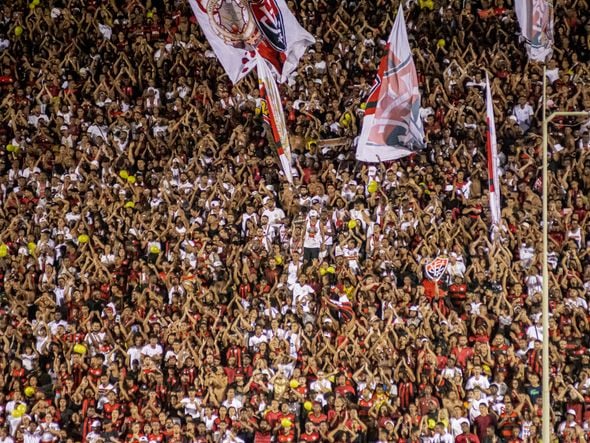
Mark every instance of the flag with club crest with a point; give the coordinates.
(536, 24)
(392, 127)
(492, 148)
(274, 117)
(436, 268)
(239, 30)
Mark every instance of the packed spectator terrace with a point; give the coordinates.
(159, 282)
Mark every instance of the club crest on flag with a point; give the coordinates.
(232, 22)
(436, 268)
(270, 23)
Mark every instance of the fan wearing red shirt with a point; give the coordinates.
(286, 435)
(201, 436)
(316, 416)
(273, 414)
(484, 421)
(286, 414)
(156, 435)
(462, 352)
(263, 434)
(310, 435)
(231, 370)
(466, 436)
(234, 351)
(343, 388)
(111, 405)
(222, 418)
(365, 403)
(458, 293)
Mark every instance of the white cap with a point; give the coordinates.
(571, 412)
(313, 213)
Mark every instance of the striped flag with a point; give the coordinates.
(392, 127)
(536, 24)
(274, 117)
(492, 148)
(239, 31)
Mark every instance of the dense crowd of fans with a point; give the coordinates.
(161, 282)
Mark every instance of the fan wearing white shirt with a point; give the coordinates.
(231, 400)
(351, 254)
(455, 267)
(477, 380)
(274, 214)
(191, 403)
(313, 239)
(257, 338)
(523, 113)
(57, 322)
(301, 292)
(5, 438)
(153, 349)
(441, 435)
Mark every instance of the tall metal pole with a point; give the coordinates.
(546, 427)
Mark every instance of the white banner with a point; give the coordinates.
(392, 127)
(536, 24)
(492, 148)
(238, 30)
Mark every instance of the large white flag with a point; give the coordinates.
(274, 117)
(492, 148)
(392, 127)
(238, 30)
(536, 24)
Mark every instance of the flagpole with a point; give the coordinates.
(546, 426)
(546, 393)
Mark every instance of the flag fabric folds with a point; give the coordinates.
(492, 149)
(392, 127)
(238, 30)
(536, 24)
(274, 117)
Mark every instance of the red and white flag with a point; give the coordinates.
(274, 117)
(536, 25)
(436, 268)
(492, 148)
(392, 127)
(238, 30)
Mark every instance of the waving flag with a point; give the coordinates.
(238, 30)
(436, 268)
(392, 127)
(492, 148)
(272, 112)
(536, 25)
